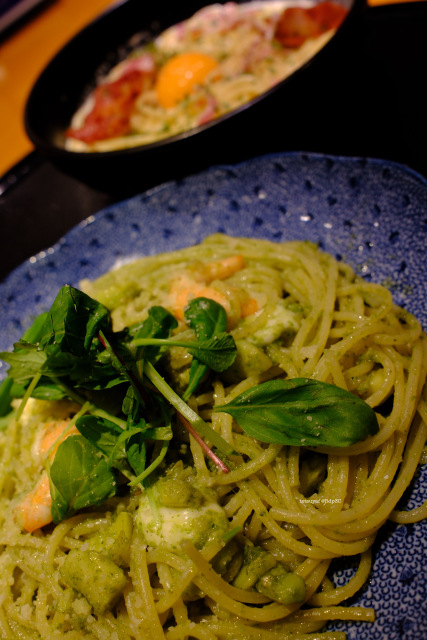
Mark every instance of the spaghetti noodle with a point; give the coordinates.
(194, 553)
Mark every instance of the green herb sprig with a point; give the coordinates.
(126, 420)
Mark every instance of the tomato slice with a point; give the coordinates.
(297, 24)
(113, 105)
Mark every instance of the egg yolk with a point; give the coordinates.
(180, 74)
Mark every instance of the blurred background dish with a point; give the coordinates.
(75, 70)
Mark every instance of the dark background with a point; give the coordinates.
(373, 104)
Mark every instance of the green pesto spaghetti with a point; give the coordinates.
(195, 438)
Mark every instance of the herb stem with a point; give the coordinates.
(147, 342)
(69, 391)
(63, 435)
(152, 466)
(121, 367)
(202, 428)
(219, 463)
(90, 407)
(27, 395)
(101, 413)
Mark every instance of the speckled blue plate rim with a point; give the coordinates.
(369, 212)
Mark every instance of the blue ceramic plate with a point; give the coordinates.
(370, 213)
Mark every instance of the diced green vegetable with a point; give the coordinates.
(177, 493)
(281, 585)
(312, 472)
(115, 541)
(96, 577)
(251, 361)
(223, 559)
(279, 320)
(256, 562)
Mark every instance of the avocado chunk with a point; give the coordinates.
(250, 361)
(95, 576)
(256, 562)
(281, 585)
(115, 541)
(313, 471)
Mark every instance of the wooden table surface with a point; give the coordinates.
(25, 52)
(23, 55)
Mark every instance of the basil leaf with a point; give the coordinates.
(302, 412)
(207, 318)
(79, 478)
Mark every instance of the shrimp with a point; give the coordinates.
(34, 510)
(184, 288)
(222, 269)
(195, 284)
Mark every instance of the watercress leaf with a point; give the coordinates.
(30, 337)
(302, 412)
(80, 477)
(60, 507)
(109, 438)
(90, 374)
(136, 452)
(5, 396)
(206, 317)
(119, 454)
(217, 353)
(124, 364)
(24, 364)
(159, 324)
(34, 332)
(62, 341)
(158, 433)
(48, 391)
(196, 375)
(72, 323)
(130, 403)
(100, 432)
(27, 358)
(131, 408)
